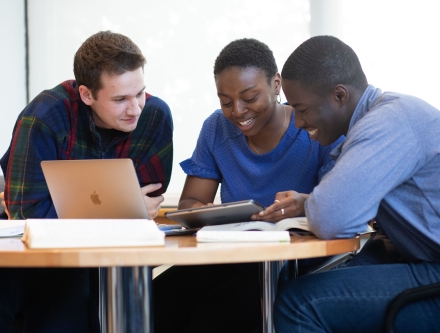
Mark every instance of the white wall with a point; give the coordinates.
(180, 39)
(396, 40)
(398, 44)
(12, 67)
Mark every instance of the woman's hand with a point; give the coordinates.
(287, 204)
(152, 203)
(2, 198)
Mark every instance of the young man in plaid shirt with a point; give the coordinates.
(105, 113)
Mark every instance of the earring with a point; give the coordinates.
(278, 99)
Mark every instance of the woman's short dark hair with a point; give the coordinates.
(244, 53)
(107, 52)
(322, 62)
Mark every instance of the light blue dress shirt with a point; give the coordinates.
(388, 167)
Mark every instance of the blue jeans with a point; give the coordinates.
(355, 298)
(52, 300)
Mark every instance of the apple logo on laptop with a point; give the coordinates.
(95, 198)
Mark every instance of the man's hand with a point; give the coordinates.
(152, 203)
(2, 198)
(287, 204)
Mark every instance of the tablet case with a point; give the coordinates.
(238, 211)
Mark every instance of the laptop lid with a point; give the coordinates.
(101, 189)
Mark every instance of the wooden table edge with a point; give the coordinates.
(190, 253)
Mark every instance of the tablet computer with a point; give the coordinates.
(238, 211)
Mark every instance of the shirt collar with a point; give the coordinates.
(365, 103)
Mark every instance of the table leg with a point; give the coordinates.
(144, 292)
(103, 299)
(270, 272)
(125, 300)
(115, 305)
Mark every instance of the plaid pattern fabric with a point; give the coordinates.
(57, 125)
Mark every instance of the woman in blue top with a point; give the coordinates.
(253, 149)
(251, 146)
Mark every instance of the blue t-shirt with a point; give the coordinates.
(222, 153)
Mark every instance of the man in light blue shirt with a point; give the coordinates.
(388, 168)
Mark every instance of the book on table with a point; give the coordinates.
(80, 233)
(273, 232)
(251, 231)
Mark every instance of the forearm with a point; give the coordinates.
(190, 203)
(198, 192)
(156, 160)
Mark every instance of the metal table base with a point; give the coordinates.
(125, 304)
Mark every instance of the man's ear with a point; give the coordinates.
(341, 94)
(86, 95)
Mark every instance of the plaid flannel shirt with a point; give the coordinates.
(57, 125)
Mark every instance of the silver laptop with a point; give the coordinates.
(101, 189)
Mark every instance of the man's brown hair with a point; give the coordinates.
(105, 52)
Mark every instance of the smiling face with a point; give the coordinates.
(119, 102)
(246, 97)
(324, 117)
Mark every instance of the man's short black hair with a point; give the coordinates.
(245, 53)
(322, 62)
